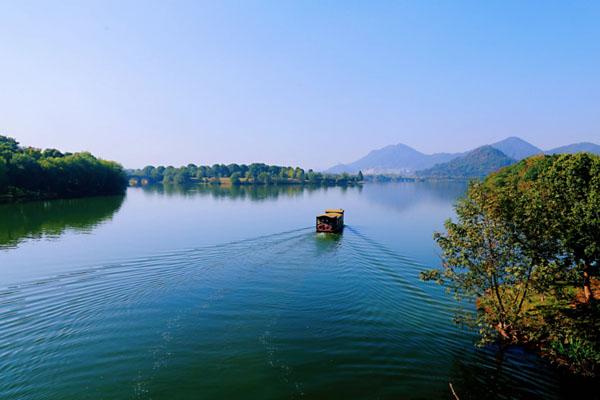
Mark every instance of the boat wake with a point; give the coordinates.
(266, 313)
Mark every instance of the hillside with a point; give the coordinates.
(576, 148)
(475, 164)
(404, 160)
(516, 148)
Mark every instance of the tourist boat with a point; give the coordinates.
(332, 221)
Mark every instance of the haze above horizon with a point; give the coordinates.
(280, 82)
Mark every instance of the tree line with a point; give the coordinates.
(525, 247)
(238, 174)
(30, 173)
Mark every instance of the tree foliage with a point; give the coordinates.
(30, 173)
(553, 204)
(481, 260)
(525, 247)
(239, 174)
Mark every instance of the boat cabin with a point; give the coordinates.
(331, 221)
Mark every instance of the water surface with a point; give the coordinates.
(209, 292)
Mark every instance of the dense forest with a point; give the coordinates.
(237, 174)
(30, 173)
(526, 247)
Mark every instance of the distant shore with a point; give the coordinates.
(238, 174)
(227, 182)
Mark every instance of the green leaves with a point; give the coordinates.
(524, 239)
(32, 173)
(255, 173)
(8, 146)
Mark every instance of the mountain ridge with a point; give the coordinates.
(477, 163)
(575, 148)
(403, 159)
(516, 148)
(393, 158)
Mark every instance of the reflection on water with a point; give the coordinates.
(328, 242)
(241, 192)
(407, 194)
(50, 219)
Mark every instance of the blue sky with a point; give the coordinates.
(309, 83)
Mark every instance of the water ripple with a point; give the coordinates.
(288, 313)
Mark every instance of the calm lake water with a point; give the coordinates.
(217, 293)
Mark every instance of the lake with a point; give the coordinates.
(228, 293)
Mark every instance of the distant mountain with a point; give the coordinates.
(475, 164)
(576, 148)
(404, 160)
(516, 148)
(398, 158)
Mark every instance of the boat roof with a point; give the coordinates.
(330, 215)
(334, 211)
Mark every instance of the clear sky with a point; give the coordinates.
(308, 83)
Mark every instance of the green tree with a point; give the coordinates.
(264, 178)
(33, 173)
(202, 172)
(256, 173)
(575, 182)
(8, 147)
(24, 171)
(148, 171)
(553, 203)
(3, 175)
(255, 169)
(311, 176)
(360, 176)
(51, 153)
(235, 178)
(525, 245)
(480, 260)
(156, 174)
(181, 177)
